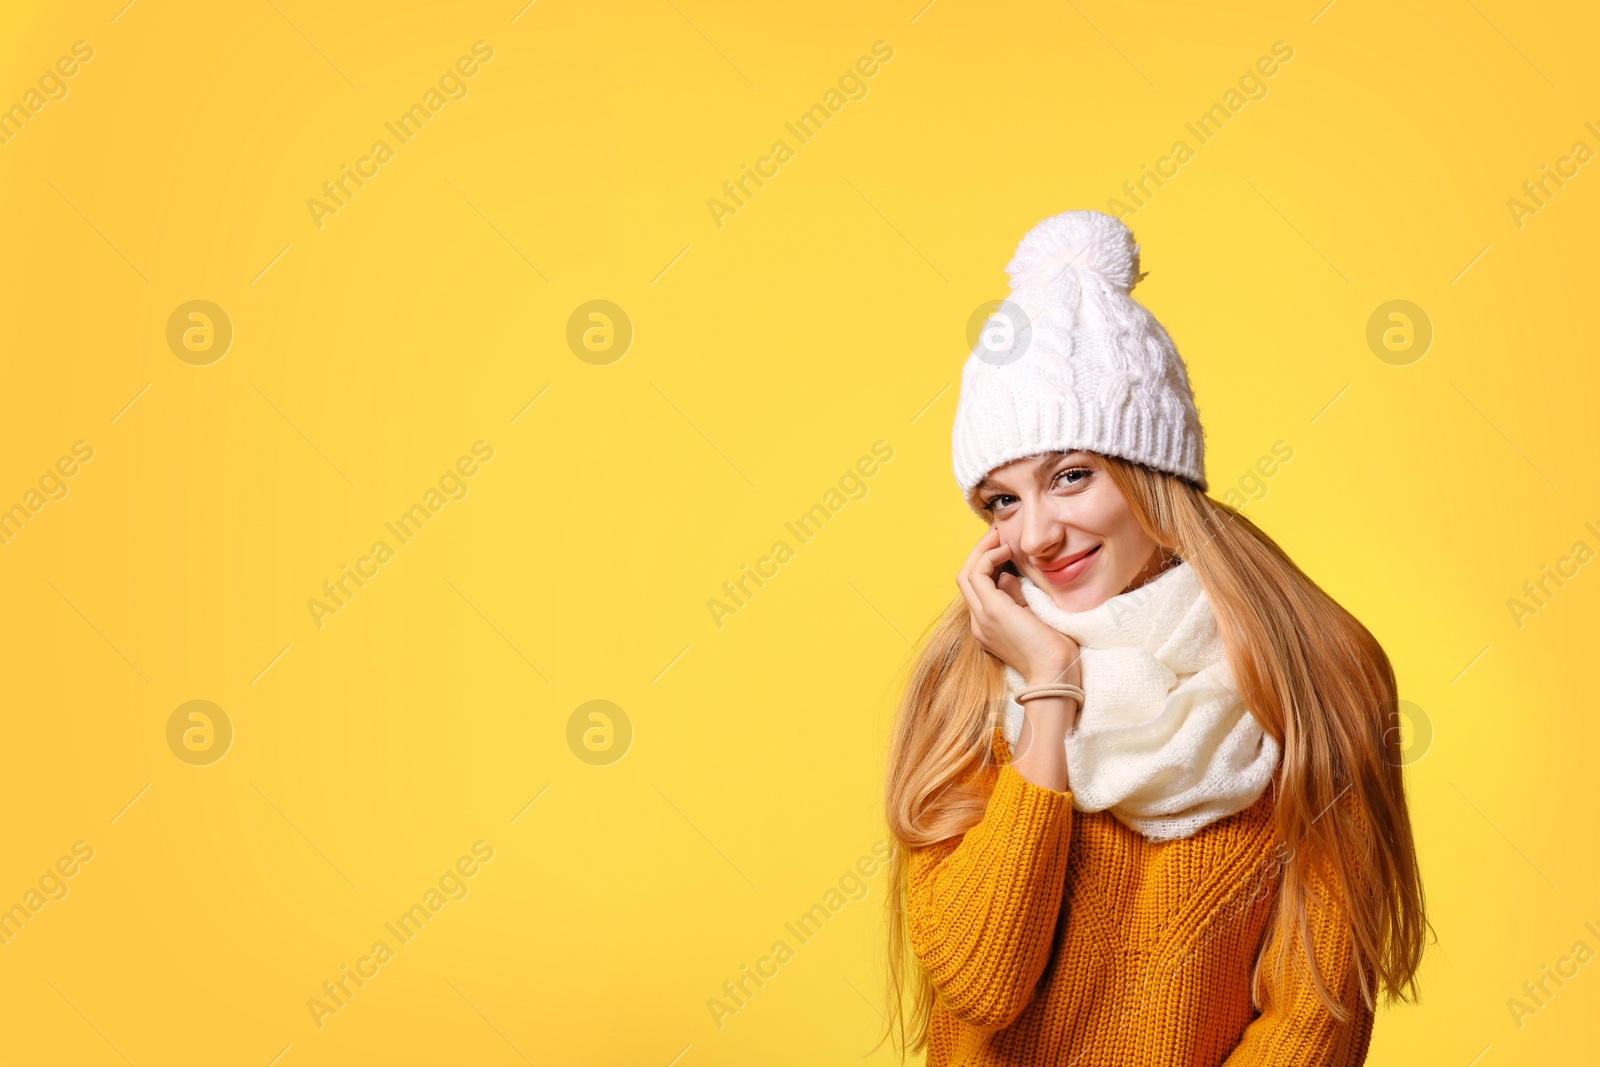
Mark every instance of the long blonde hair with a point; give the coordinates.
(1315, 678)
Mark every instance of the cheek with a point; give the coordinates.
(1125, 544)
(1085, 518)
(1106, 516)
(1129, 553)
(1123, 532)
(1126, 534)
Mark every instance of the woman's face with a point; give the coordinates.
(1070, 529)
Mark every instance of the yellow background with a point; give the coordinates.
(769, 354)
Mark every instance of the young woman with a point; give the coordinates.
(1145, 778)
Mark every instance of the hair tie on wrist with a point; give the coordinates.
(1050, 689)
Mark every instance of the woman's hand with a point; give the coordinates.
(1004, 625)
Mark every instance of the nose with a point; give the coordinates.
(1041, 531)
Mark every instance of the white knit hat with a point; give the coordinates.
(1072, 361)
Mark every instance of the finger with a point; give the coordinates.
(974, 561)
(988, 541)
(990, 563)
(984, 560)
(969, 593)
(1011, 585)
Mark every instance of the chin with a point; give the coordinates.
(1078, 599)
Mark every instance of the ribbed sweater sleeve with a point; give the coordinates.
(982, 908)
(1296, 1029)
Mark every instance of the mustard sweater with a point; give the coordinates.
(1060, 937)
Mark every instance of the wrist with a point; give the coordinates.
(1054, 674)
(1061, 661)
(1051, 691)
(1050, 706)
(1049, 717)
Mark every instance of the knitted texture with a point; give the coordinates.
(1164, 739)
(1079, 365)
(1061, 937)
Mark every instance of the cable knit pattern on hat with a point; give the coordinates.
(1087, 367)
(1164, 739)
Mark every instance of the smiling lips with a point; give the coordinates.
(1066, 570)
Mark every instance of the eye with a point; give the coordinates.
(996, 502)
(1063, 476)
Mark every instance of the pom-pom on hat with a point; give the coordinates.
(1071, 361)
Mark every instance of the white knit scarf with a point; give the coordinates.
(1163, 739)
